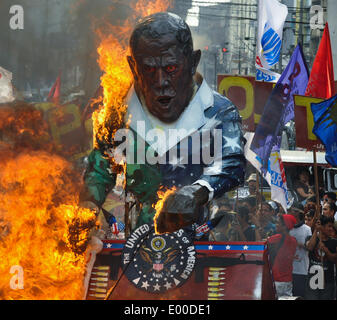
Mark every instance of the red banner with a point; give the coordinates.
(321, 81)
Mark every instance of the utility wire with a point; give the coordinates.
(193, 14)
(212, 4)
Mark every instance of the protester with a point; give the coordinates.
(244, 230)
(282, 248)
(251, 182)
(329, 197)
(310, 204)
(224, 230)
(309, 216)
(263, 220)
(275, 210)
(303, 189)
(334, 236)
(322, 254)
(301, 260)
(334, 233)
(251, 203)
(329, 209)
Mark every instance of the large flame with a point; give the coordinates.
(116, 82)
(117, 77)
(38, 211)
(42, 228)
(43, 232)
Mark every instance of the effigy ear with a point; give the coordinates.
(196, 55)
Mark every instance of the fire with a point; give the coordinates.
(116, 81)
(42, 228)
(22, 127)
(145, 8)
(117, 77)
(38, 216)
(162, 196)
(43, 232)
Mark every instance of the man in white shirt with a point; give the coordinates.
(301, 261)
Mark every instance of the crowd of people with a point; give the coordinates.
(302, 242)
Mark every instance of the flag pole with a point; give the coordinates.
(317, 213)
(258, 202)
(235, 205)
(261, 191)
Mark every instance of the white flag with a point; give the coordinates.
(6, 88)
(275, 176)
(266, 75)
(271, 17)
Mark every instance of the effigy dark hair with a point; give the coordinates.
(162, 23)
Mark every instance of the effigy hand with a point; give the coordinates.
(181, 208)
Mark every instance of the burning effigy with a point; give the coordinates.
(130, 214)
(182, 145)
(157, 94)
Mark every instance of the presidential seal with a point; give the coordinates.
(157, 263)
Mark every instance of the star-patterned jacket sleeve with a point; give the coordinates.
(228, 169)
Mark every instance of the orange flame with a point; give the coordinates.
(22, 127)
(145, 8)
(42, 229)
(117, 78)
(162, 196)
(38, 208)
(116, 81)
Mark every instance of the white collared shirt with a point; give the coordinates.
(192, 118)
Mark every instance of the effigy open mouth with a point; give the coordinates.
(164, 100)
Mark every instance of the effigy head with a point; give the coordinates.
(163, 64)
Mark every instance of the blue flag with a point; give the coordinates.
(279, 108)
(325, 128)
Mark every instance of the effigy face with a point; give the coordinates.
(163, 74)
